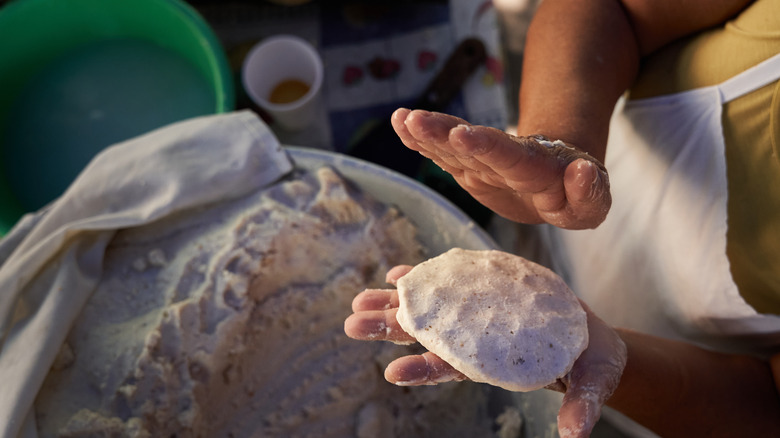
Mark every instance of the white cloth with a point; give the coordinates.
(51, 261)
(658, 263)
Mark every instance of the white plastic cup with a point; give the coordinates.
(277, 59)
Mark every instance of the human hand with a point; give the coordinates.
(524, 179)
(374, 319)
(593, 378)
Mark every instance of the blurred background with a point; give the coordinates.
(62, 104)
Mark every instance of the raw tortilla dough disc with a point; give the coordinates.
(495, 317)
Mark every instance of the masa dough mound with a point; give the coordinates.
(228, 320)
(495, 317)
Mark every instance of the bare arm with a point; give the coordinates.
(673, 388)
(677, 389)
(581, 55)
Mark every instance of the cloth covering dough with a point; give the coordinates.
(496, 317)
(51, 261)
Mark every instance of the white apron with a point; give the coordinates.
(658, 263)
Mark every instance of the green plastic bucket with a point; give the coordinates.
(38, 34)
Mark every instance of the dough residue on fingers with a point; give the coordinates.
(495, 317)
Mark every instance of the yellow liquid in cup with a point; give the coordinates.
(289, 90)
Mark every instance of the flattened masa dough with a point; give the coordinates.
(495, 317)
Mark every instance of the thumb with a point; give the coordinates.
(586, 183)
(580, 410)
(593, 378)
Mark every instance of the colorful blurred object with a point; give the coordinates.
(384, 68)
(352, 75)
(426, 60)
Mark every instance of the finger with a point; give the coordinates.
(525, 164)
(398, 120)
(375, 299)
(423, 369)
(431, 130)
(579, 413)
(376, 325)
(587, 191)
(397, 272)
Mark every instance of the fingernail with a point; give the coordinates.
(414, 114)
(416, 382)
(593, 180)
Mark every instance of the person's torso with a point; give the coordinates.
(751, 130)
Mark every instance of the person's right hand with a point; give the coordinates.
(593, 378)
(524, 179)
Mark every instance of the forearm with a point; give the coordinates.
(580, 57)
(677, 389)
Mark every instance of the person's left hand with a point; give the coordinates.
(524, 179)
(593, 378)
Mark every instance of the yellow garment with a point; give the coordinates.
(751, 127)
